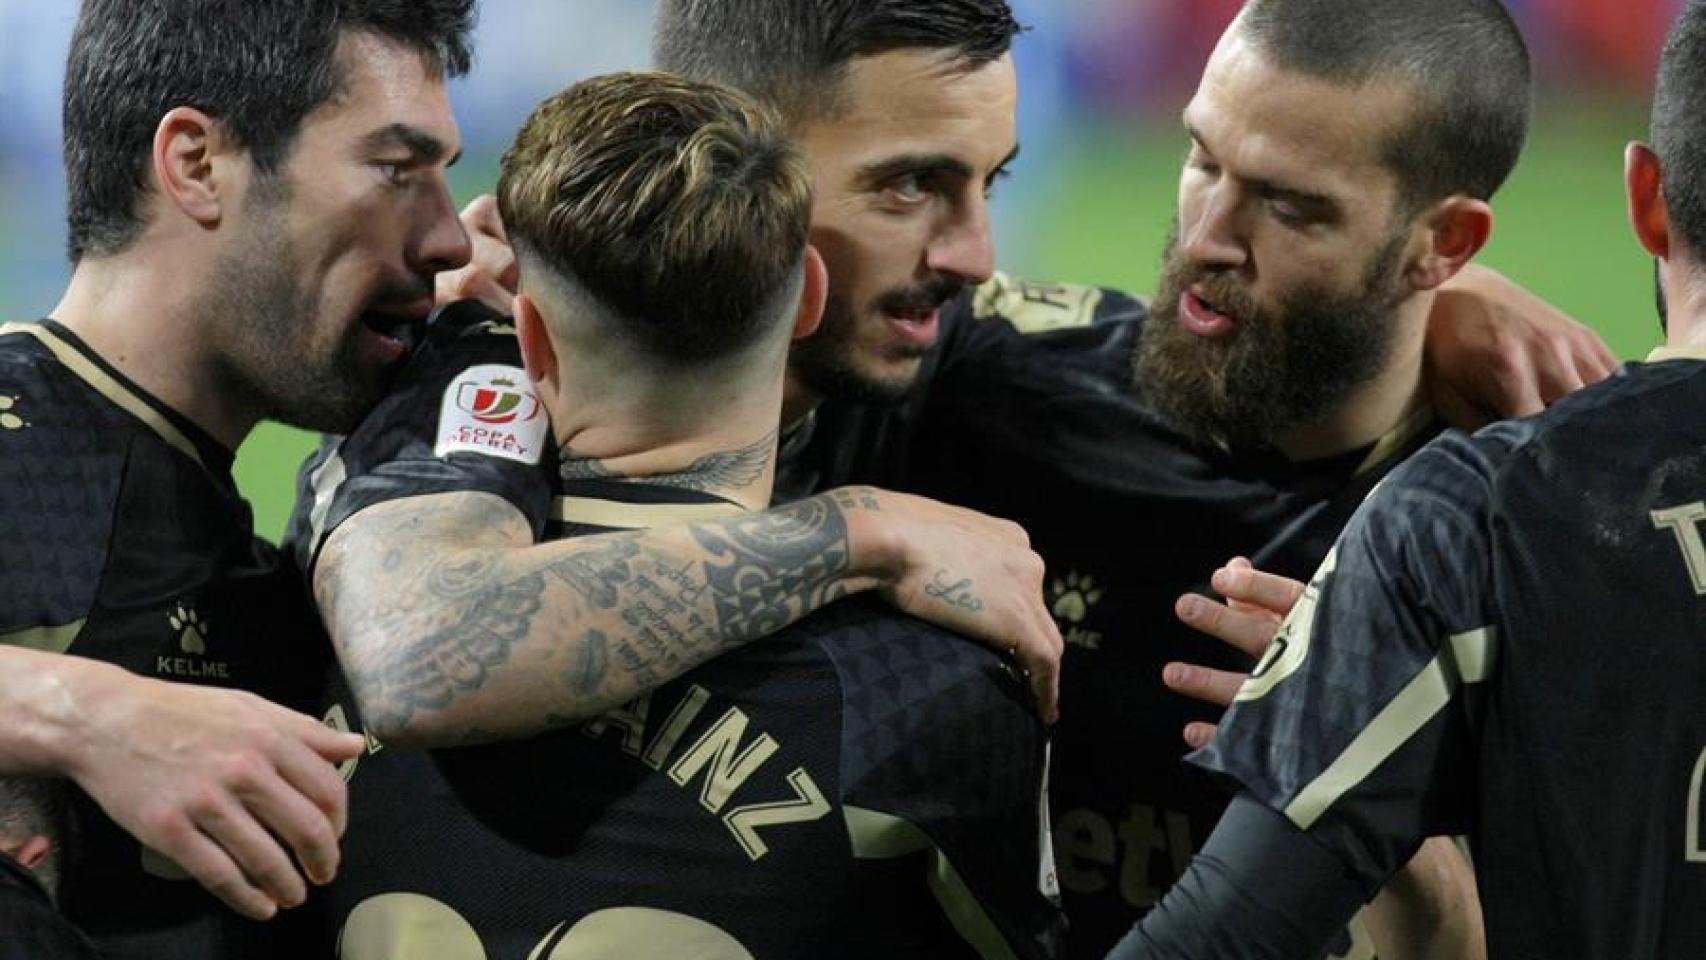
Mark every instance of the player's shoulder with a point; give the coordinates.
(1624, 418)
(63, 449)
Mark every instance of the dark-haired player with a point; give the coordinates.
(1336, 179)
(257, 203)
(1506, 642)
(860, 785)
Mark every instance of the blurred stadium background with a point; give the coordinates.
(1102, 84)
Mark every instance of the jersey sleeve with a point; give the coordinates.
(461, 417)
(1357, 723)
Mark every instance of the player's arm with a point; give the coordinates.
(1260, 889)
(224, 783)
(1368, 687)
(453, 626)
(1495, 350)
(1430, 909)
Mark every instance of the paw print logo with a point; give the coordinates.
(1073, 596)
(8, 419)
(192, 630)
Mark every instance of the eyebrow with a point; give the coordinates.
(423, 145)
(1272, 188)
(927, 164)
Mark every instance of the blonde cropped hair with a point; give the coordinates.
(680, 206)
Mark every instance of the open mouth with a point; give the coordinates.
(915, 325)
(1202, 317)
(389, 332)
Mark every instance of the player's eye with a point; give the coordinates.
(994, 179)
(907, 190)
(395, 172)
(1197, 160)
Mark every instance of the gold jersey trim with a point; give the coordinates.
(47, 639)
(1687, 351)
(107, 386)
(881, 836)
(1397, 438)
(622, 515)
(1464, 658)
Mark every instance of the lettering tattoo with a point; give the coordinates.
(471, 602)
(957, 593)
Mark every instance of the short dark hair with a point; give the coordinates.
(793, 54)
(257, 68)
(681, 207)
(1679, 125)
(1465, 60)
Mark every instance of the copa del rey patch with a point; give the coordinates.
(491, 409)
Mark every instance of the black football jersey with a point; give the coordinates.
(1031, 413)
(1026, 409)
(859, 785)
(126, 541)
(863, 784)
(460, 417)
(1508, 642)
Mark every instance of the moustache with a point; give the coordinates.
(921, 298)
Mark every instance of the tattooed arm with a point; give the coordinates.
(453, 626)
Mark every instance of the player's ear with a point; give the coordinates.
(1643, 181)
(813, 294)
(538, 353)
(1453, 232)
(190, 160)
(30, 852)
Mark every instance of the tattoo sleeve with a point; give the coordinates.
(450, 622)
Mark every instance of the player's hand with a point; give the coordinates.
(224, 783)
(1256, 604)
(491, 276)
(965, 571)
(1494, 350)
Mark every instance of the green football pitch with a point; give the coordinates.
(1560, 230)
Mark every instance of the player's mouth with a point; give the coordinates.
(1202, 317)
(915, 326)
(389, 330)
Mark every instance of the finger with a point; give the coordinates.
(214, 869)
(1268, 591)
(1560, 378)
(1199, 735)
(300, 816)
(1202, 683)
(482, 217)
(333, 745)
(263, 862)
(1520, 395)
(1458, 410)
(1044, 667)
(1248, 632)
(1594, 359)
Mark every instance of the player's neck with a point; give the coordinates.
(140, 314)
(1377, 407)
(1685, 302)
(798, 402)
(720, 445)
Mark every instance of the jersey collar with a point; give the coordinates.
(637, 505)
(84, 363)
(1692, 351)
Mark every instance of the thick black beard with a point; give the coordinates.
(1280, 367)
